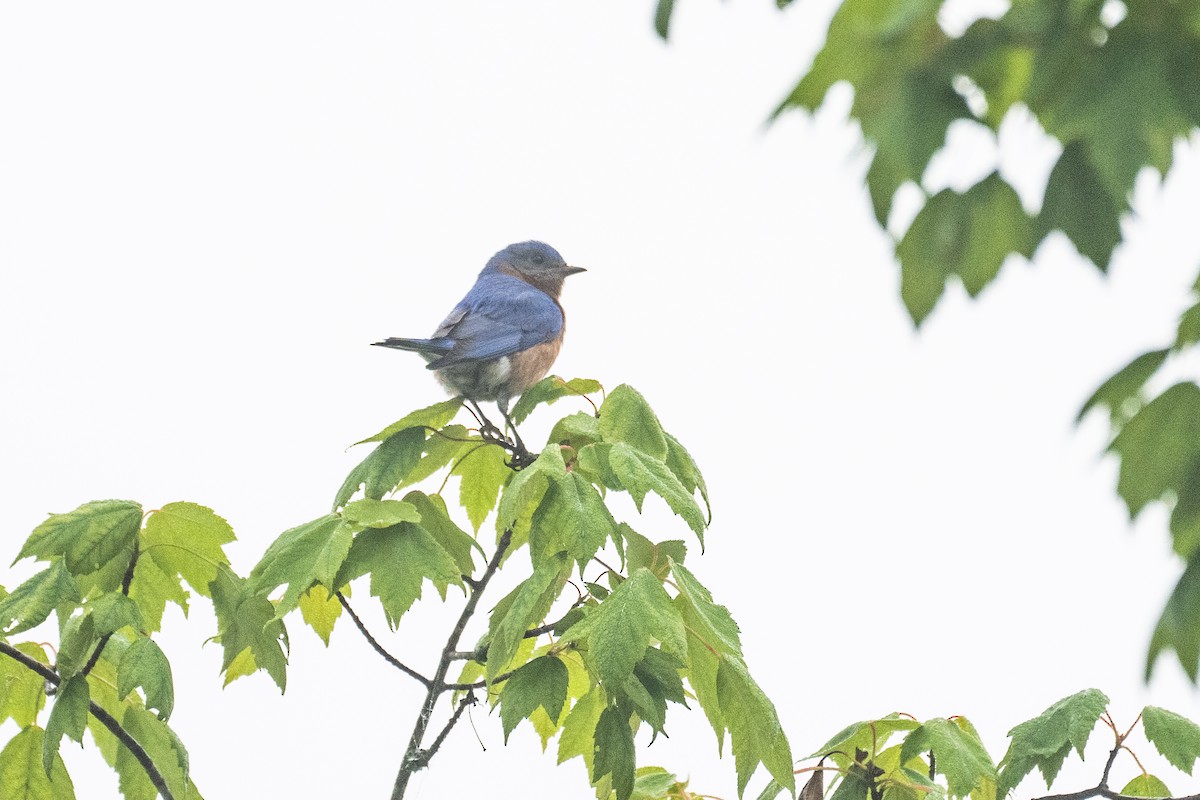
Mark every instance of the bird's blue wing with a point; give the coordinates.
(498, 317)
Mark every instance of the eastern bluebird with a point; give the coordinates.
(504, 335)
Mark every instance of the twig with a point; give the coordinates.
(105, 719)
(388, 657)
(126, 582)
(468, 700)
(1101, 789)
(414, 757)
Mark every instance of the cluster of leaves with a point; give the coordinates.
(111, 570)
(899, 758)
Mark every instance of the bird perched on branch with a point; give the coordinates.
(504, 335)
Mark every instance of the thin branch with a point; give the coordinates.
(462, 655)
(388, 657)
(105, 719)
(468, 700)
(1112, 756)
(1109, 794)
(414, 757)
(466, 687)
(126, 582)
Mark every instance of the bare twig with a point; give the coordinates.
(388, 657)
(105, 719)
(416, 758)
(467, 700)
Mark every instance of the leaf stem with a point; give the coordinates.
(105, 719)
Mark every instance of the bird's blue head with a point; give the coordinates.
(536, 263)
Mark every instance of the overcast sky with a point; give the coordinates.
(207, 213)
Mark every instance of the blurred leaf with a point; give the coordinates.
(662, 17)
(1045, 741)
(1189, 328)
(28, 605)
(1079, 204)
(88, 537)
(1125, 385)
(320, 610)
(549, 390)
(1146, 785)
(187, 540)
(1176, 737)
(22, 776)
(542, 683)
(1159, 447)
(145, 665)
(68, 717)
(1177, 629)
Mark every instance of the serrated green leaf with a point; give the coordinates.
(152, 589)
(1146, 785)
(399, 559)
(1124, 385)
(542, 683)
(164, 749)
(1175, 736)
(145, 665)
(958, 755)
(436, 520)
(654, 556)
(712, 622)
(1176, 629)
(435, 416)
(530, 601)
(1078, 203)
(658, 675)
(572, 517)
(525, 491)
(640, 474)
(755, 734)
(301, 556)
(578, 734)
(68, 717)
(188, 541)
(88, 537)
(550, 390)
(1159, 447)
(626, 417)
(112, 611)
(576, 430)
(1046, 740)
(869, 736)
(22, 691)
(320, 610)
(77, 642)
(620, 629)
(613, 754)
(28, 605)
(368, 513)
(249, 629)
(441, 448)
(385, 468)
(483, 474)
(681, 463)
(22, 776)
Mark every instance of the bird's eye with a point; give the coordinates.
(539, 259)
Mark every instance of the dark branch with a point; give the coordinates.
(414, 757)
(468, 700)
(388, 657)
(466, 687)
(126, 582)
(105, 719)
(1101, 789)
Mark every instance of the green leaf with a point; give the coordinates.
(112, 611)
(958, 755)
(368, 513)
(654, 556)
(387, 466)
(436, 520)
(662, 17)
(304, 555)
(1046, 740)
(88, 537)
(484, 473)
(1079, 204)
(1176, 737)
(968, 235)
(613, 753)
(435, 416)
(68, 717)
(145, 665)
(1177, 629)
(680, 462)
(754, 731)
(22, 776)
(708, 620)
(579, 731)
(398, 560)
(449, 444)
(640, 474)
(542, 683)
(531, 601)
(78, 640)
(1159, 447)
(626, 417)
(1189, 329)
(248, 628)
(525, 491)
(187, 540)
(1146, 785)
(620, 629)
(869, 736)
(576, 430)
(320, 610)
(152, 589)
(1125, 385)
(571, 517)
(164, 749)
(22, 691)
(549, 390)
(31, 603)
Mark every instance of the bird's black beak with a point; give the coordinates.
(569, 270)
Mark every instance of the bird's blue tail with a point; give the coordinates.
(433, 347)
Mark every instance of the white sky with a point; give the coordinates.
(207, 213)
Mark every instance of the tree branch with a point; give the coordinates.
(126, 582)
(388, 657)
(468, 700)
(415, 758)
(105, 719)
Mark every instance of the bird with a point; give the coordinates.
(504, 335)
